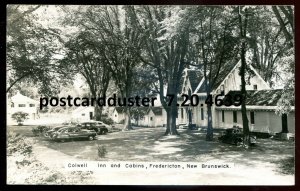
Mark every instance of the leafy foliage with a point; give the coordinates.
(31, 49)
(40, 130)
(20, 117)
(16, 143)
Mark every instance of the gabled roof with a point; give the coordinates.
(194, 76)
(156, 110)
(224, 72)
(202, 88)
(120, 109)
(261, 97)
(18, 98)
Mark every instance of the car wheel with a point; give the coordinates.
(91, 138)
(238, 143)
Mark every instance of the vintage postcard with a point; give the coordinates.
(150, 95)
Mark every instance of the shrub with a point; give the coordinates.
(18, 144)
(40, 130)
(101, 151)
(20, 117)
(107, 121)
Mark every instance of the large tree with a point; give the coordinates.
(215, 46)
(83, 58)
(243, 17)
(31, 49)
(165, 48)
(285, 17)
(117, 42)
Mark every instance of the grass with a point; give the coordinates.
(286, 166)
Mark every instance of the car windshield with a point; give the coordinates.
(62, 130)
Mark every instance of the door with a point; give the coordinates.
(284, 123)
(152, 121)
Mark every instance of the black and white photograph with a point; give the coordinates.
(150, 94)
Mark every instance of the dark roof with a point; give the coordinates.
(140, 110)
(202, 88)
(120, 109)
(224, 71)
(194, 76)
(261, 97)
(137, 110)
(156, 110)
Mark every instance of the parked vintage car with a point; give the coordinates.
(71, 133)
(53, 130)
(98, 126)
(186, 126)
(235, 136)
(182, 126)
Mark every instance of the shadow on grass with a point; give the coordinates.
(286, 166)
(150, 144)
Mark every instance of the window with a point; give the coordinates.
(234, 116)
(255, 87)
(150, 118)
(22, 105)
(12, 104)
(31, 105)
(115, 115)
(202, 114)
(223, 118)
(83, 114)
(240, 87)
(252, 117)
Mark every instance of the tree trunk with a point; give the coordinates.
(98, 112)
(243, 30)
(127, 123)
(210, 132)
(244, 95)
(171, 121)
